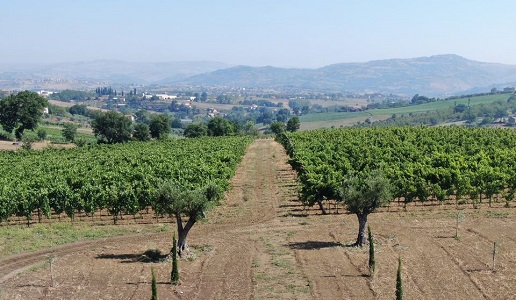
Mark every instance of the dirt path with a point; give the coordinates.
(235, 256)
(261, 244)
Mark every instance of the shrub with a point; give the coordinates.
(42, 134)
(372, 262)
(174, 275)
(154, 286)
(27, 142)
(399, 285)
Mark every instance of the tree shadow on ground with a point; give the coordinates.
(346, 275)
(148, 282)
(148, 256)
(314, 245)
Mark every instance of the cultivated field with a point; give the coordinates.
(322, 120)
(261, 244)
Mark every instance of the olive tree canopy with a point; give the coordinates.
(362, 196)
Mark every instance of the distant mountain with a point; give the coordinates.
(437, 75)
(433, 76)
(112, 71)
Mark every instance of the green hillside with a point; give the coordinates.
(320, 120)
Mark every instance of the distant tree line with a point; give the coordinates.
(109, 91)
(262, 102)
(68, 95)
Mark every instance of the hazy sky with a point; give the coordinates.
(283, 33)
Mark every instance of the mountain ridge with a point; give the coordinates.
(437, 75)
(434, 76)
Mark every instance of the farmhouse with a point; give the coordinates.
(166, 96)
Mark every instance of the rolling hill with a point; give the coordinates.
(434, 76)
(438, 75)
(112, 71)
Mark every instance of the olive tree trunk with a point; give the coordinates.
(182, 233)
(321, 206)
(362, 226)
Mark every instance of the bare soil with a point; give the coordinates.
(10, 145)
(262, 244)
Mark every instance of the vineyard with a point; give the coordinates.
(260, 242)
(121, 179)
(422, 164)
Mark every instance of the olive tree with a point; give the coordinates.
(184, 203)
(362, 195)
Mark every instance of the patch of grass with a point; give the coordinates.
(497, 214)
(256, 263)
(291, 233)
(38, 266)
(198, 250)
(280, 263)
(279, 268)
(202, 248)
(264, 277)
(18, 239)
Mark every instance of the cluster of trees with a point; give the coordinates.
(68, 95)
(409, 163)
(307, 96)
(419, 99)
(183, 111)
(216, 127)
(203, 97)
(113, 127)
(261, 115)
(262, 102)
(21, 112)
(300, 107)
(224, 99)
(223, 127)
(293, 124)
(109, 91)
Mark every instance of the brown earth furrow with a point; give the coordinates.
(466, 273)
(12, 265)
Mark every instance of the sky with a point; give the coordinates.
(280, 33)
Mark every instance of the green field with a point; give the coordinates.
(18, 239)
(54, 134)
(321, 120)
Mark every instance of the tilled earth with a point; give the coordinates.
(262, 244)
